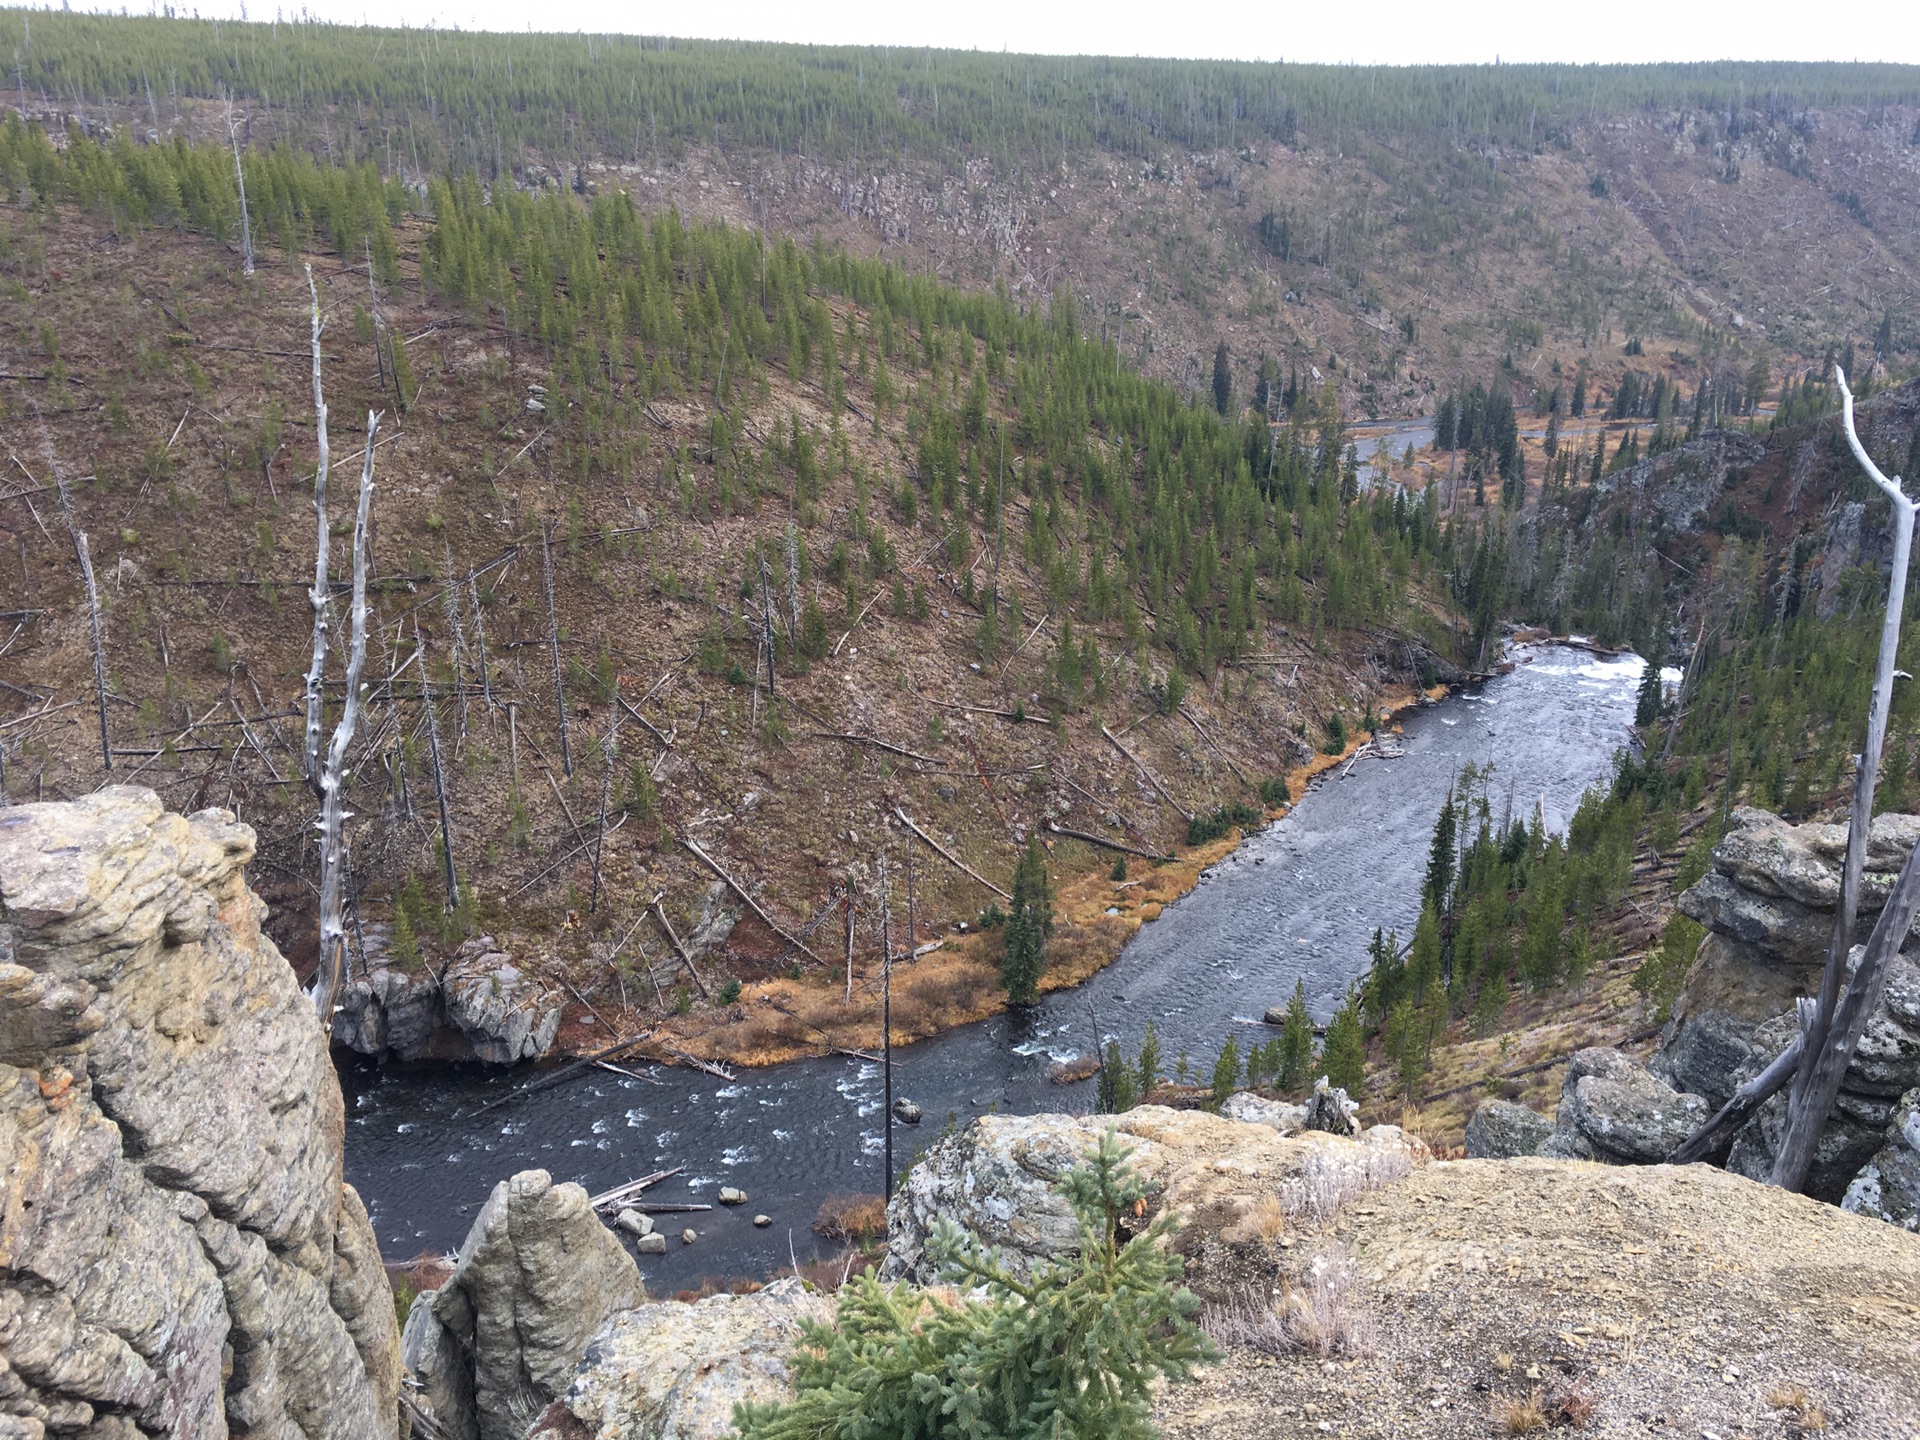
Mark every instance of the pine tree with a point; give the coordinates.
(1149, 1069)
(1343, 1058)
(1646, 706)
(1222, 380)
(1226, 1070)
(1071, 1353)
(1440, 855)
(1116, 1090)
(1029, 923)
(1296, 1040)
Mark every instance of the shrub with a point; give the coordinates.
(1070, 1354)
(1275, 792)
(1661, 976)
(1213, 824)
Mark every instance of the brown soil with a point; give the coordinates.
(179, 366)
(1673, 1301)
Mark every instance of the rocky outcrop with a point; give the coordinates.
(1768, 904)
(1252, 1109)
(998, 1178)
(178, 1253)
(1502, 1130)
(1613, 1111)
(675, 1372)
(480, 1006)
(1888, 1186)
(500, 1341)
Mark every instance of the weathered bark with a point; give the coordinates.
(1830, 1026)
(319, 596)
(553, 643)
(334, 775)
(240, 180)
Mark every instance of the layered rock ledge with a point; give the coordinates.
(179, 1255)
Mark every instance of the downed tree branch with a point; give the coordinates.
(952, 859)
(1719, 1131)
(1151, 778)
(1105, 843)
(734, 885)
(869, 740)
(660, 914)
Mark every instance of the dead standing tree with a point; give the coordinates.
(327, 775)
(1831, 1022)
(84, 554)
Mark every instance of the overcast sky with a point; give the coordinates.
(1395, 32)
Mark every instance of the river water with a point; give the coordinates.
(1298, 901)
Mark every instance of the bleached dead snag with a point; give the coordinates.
(448, 875)
(246, 223)
(553, 644)
(318, 597)
(333, 774)
(1829, 1025)
(83, 553)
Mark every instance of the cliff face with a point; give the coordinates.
(179, 1255)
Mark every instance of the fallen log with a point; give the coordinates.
(1151, 778)
(607, 1198)
(950, 858)
(660, 914)
(1105, 843)
(752, 904)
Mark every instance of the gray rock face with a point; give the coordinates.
(178, 1253)
(1502, 1130)
(997, 1178)
(505, 1013)
(675, 1372)
(537, 1276)
(389, 1011)
(1251, 1109)
(1613, 1111)
(1329, 1109)
(1888, 1186)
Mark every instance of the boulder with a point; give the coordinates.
(997, 1178)
(178, 1252)
(654, 1242)
(1888, 1185)
(440, 1369)
(675, 1372)
(506, 1014)
(1613, 1111)
(730, 1195)
(1844, 1148)
(634, 1223)
(1502, 1130)
(537, 1276)
(1251, 1109)
(1329, 1109)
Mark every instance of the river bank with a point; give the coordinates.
(1294, 903)
(954, 980)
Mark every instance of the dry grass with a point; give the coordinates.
(1795, 1399)
(1520, 1415)
(1265, 1221)
(854, 1219)
(1320, 1315)
(1329, 1180)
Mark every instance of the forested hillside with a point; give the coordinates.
(681, 535)
(1400, 230)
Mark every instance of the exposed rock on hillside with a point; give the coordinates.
(675, 1372)
(1768, 904)
(997, 1178)
(1612, 1110)
(178, 1252)
(500, 1341)
(481, 1006)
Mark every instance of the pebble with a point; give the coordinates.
(687, 1237)
(730, 1196)
(763, 1221)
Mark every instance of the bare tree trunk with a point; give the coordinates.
(553, 643)
(318, 597)
(448, 875)
(1830, 1027)
(84, 554)
(240, 179)
(480, 637)
(609, 755)
(333, 776)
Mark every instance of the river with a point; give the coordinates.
(1298, 901)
